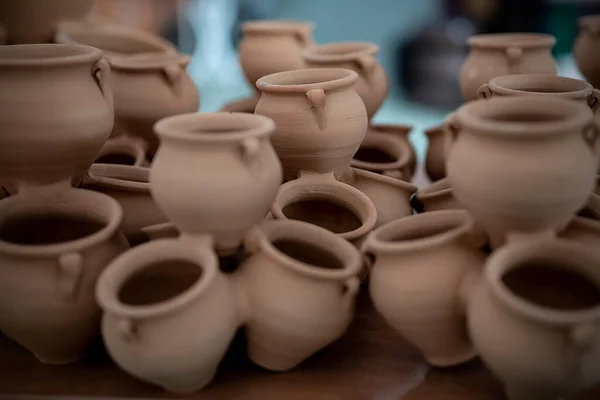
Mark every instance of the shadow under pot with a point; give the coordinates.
(535, 319)
(154, 297)
(53, 246)
(123, 150)
(585, 48)
(400, 132)
(435, 197)
(435, 159)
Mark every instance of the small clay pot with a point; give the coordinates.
(500, 54)
(435, 159)
(298, 289)
(437, 196)
(535, 319)
(246, 105)
(361, 57)
(123, 150)
(437, 253)
(585, 48)
(401, 132)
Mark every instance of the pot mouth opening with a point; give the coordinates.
(276, 26)
(302, 80)
(376, 153)
(517, 39)
(357, 171)
(540, 84)
(342, 51)
(120, 176)
(116, 157)
(42, 55)
(437, 188)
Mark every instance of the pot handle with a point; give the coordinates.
(303, 37)
(70, 272)
(484, 91)
(593, 100)
(367, 63)
(351, 287)
(316, 98)
(252, 239)
(101, 73)
(126, 329)
(514, 55)
(250, 148)
(451, 131)
(590, 135)
(580, 338)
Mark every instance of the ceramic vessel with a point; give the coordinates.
(42, 140)
(154, 297)
(435, 159)
(246, 105)
(500, 54)
(206, 164)
(320, 120)
(53, 246)
(535, 319)
(585, 48)
(360, 57)
(435, 197)
(437, 253)
(502, 162)
(298, 290)
(123, 150)
(401, 132)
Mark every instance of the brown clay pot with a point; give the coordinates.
(585, 48)
(360, 57)
(401, 132)
(437, 196)
(123, 150)
(244, 105)
(435, 159)
(320, 119)
(500, 54)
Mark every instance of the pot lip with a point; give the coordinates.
(276, 26)
(333, 78)
(400, 147)
(240, 126)
(326, 53)
(114, 216)
(19, 55)
(407, 186)
(525, 40)
(403, 129)
(441, 187)
(511, 257)
(116, 176)
(147, 61)
(513, 84)
(434, 130)
(145, 255)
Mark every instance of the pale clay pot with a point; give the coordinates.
(502, 162)
(296, 302)
(437, 253)
(159, 340)
(46, 287)
(500, 54)
(585, 48)
(124, 150)
(435, 159)
(320, 119)
(206, 164)
(437, 196)
(401, 132)
(360, 57)
(539, 352)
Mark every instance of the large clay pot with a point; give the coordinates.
(123, 150)
(435, 159)
(206, 165)
(361, 57)
(435, 197)
(320, 119)
(500, 54)
(503, 162)
(55, 111)
(585, 48)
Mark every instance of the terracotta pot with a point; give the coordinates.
(500, 54)
(435, 253)
(206, 164)
(53, 246)
(502, 162)
(360, 57)
(153, 298)
(535, 319)
(129, 186)
(32, 21)
(42, 139)
(437, 196)
(123, 150)
(401, 132)
(585, 48)
(270, 46)
(541, 85)
(435, 159)
(246, 105)
(298, 289)
(320, 120)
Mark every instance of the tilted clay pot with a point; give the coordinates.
(435, 159)
(53, 246)
(55, 112)
(244, 105)
(361, 57)
(585, 48)
(541, 85)
(435, 197)
(320, 120)
(401, 132)
(123, 150)
(535, 319)
(437, 253)
(298, 289)
(502, 162)
(270, 46)
(206, 164)
(500, 54)
(154, 298)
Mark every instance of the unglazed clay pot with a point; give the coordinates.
(435, 159)
(244, 105)
(437, 196)
(535, 319)
(361, 57)
(155, 297)
(437, 253)
(401, 132)
(585, 48)
(53, 246)
(206, 164)
(123, 150)
(43, 139)
(298, 289)
(270, 46)
(500, 54)
(541, 85)
(502, 162)
(320, 120)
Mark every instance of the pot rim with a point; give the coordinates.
(334, 52)
(525, 40)
(28, 55)
(404, 185)
(382, 142)
(120, 177)
(403, 129)
(276, 26)
(147, 61)
(441, 187)
(514, 84)
(324, 78)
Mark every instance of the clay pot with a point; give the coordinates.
(435, 253)
(298, 289)
(401, 132)
(435, 197)
(123, 150)
(320, 120)
(53, 246)
(244, 105)
(585, 48)
(32, 21)
(270, 46)
(42, 139)
(360, 57)
(154, 297)
(206, 164)
(535, 319)
(542, 85)
(435, 159)
(502, 162)
(500, 54)
(129, 186)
